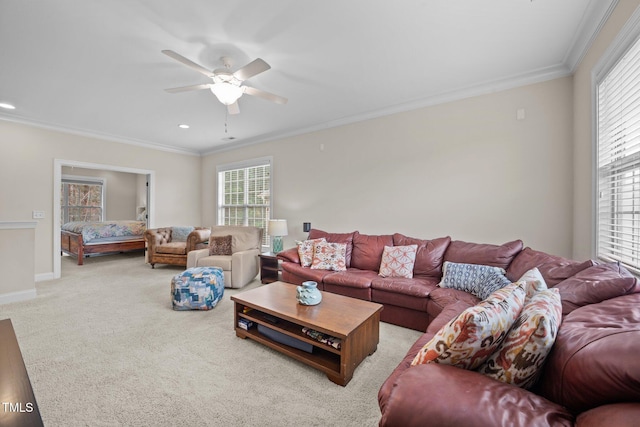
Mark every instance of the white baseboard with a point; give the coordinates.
(17, 296)
(43, 277)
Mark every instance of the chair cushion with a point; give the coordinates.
(244, 238)
(174, 248)
(221, 261)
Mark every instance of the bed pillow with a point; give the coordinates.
(220, 245)
(398, 261)
(478, 280)
(329, 256)
(180, 234)
(469, 339)
(305, 250)
(520, 357)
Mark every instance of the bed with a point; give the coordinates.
(81, 239)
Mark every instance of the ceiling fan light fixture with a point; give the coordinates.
(226, 93)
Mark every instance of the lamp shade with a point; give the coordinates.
(278, 227)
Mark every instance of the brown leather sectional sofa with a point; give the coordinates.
(590, 378)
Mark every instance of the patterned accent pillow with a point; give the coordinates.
(520, 357)
(329, 256)
(305, 251)
(220, 245)
(180, 234)
(398, 261)
(478, 280)
(535, 282)
(469, 339)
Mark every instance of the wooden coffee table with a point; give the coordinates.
(355, 322)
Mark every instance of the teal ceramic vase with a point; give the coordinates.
(308, 293)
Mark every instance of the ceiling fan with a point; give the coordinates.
(227, 86)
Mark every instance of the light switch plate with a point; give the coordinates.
(38, 214)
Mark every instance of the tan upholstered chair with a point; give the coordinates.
(170, 245)
(242, 266)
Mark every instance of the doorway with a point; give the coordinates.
(147, 175)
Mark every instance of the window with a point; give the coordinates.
(618, 162)
(244, 195)
(81, 199)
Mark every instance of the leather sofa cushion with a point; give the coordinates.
(554, 269)
(367, 250)
(416, 287)
(336, 238)
(352, 278)
(595, 358)
(173, 248)
(305, 273)
(483, 253)
(429, 256)
(388, 298)
(595, 284)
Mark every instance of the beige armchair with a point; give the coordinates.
(242, 266)
(170, 245)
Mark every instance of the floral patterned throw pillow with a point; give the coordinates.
(220, 245)
(469, 339)
(397, 261)
(305, 251)
(329, 256)
(521, 355)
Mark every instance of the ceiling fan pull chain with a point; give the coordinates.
(226, 119)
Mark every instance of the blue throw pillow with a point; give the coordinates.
(478, 280)
(180, 234)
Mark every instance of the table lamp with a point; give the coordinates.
(277, 229)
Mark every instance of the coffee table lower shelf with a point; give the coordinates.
(338, 364)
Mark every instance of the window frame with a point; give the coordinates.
(81, 180)
(245, 164)
(623, 43)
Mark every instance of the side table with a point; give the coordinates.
(269, 267)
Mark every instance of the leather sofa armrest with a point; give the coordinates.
(194, 256)
(199, 235)
(617, 414)
(156, 236)
(443, 395)
(290, 255)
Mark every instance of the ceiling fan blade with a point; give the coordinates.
(233, 108)
(188, 62)
(254, 67)
(265, 95)
(188, 88)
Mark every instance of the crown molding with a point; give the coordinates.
(594, 18)
(96, 135)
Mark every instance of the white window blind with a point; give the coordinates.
(618, 138)
(81, 199)
(244, 195)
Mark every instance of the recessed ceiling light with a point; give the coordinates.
(183, 126)
(7, 106)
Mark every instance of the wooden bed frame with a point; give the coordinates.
(72, 244)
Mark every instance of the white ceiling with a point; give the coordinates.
(94, 67)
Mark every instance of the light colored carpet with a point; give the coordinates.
(103, 347)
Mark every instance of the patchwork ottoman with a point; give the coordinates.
(197, 288)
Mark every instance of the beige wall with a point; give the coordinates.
(18, 280)
(27, 156)
(121, 191)
(467, 169)
(583, 218)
